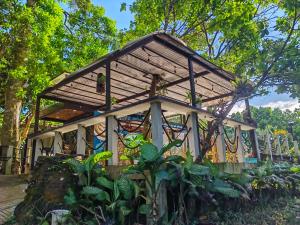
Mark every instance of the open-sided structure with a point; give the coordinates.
(152, 86)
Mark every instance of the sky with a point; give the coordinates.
(273, 100)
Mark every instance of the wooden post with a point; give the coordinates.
(112, 140)
(287, 144)
(240, 149)
(279, 146)
(193, 136)
(156, 124)
(257, 146)
(37, 150)
(58, 142)
(269, 145)
(194, 123)
(220, 143)
(81, 138)
(296, 148)
(252, 133)
(28, 156)
(157, 138)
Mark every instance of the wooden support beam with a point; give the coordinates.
(58, 142)
(220, 143)
(170, 84)
(156, 124)
(218, 97)
(258, 152)
(240, 149)
(81, 138)
(112, 139)
(38, 150)
(286, 141)
(279, 147)
(28, 159)
(296, 149)
(107, 87)
(157, 138)
(269, 145)
(193, 136)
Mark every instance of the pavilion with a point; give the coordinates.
(156, 78)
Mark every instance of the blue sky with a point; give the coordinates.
(123, 19)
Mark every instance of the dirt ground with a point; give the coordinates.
(12, 191)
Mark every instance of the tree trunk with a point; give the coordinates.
(10, 129)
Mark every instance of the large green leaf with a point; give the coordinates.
(103, 181)
(116, 191)
(103, 195)
(102, 156)
(199, 170)
(174, 158)
(227, 191)
(76, 165)
(91, 190)
(126, 187)
(224, 188)
(197, 180)
(160, 176)
(70, 198)
(149, 152)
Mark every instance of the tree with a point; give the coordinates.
(40, 40)
(274, 119)
(254, 38)
(236, 35)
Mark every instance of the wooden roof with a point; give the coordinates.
(132, 68)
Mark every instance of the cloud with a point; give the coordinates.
(283, 105)
(238, 107)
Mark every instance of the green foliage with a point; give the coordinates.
(121, 200)
(274, 119)
(258, 40)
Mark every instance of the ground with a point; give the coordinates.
(12, 191)
(279, 211)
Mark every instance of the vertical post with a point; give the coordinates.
(195, 136)
(296, 149)
(25, 154)
(287, 144)
(220, 143)
(269, 145)
(240, 149)
(107, 99)
(58, 142)
(35, 130)
(252, 133)
(81, 138)
(156, 124)
(29, 155)
(112, 140)
(157, 137)
(37, 150)
(257, 146)
(107, 87)
(279, 146)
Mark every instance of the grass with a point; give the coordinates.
(281, 211)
